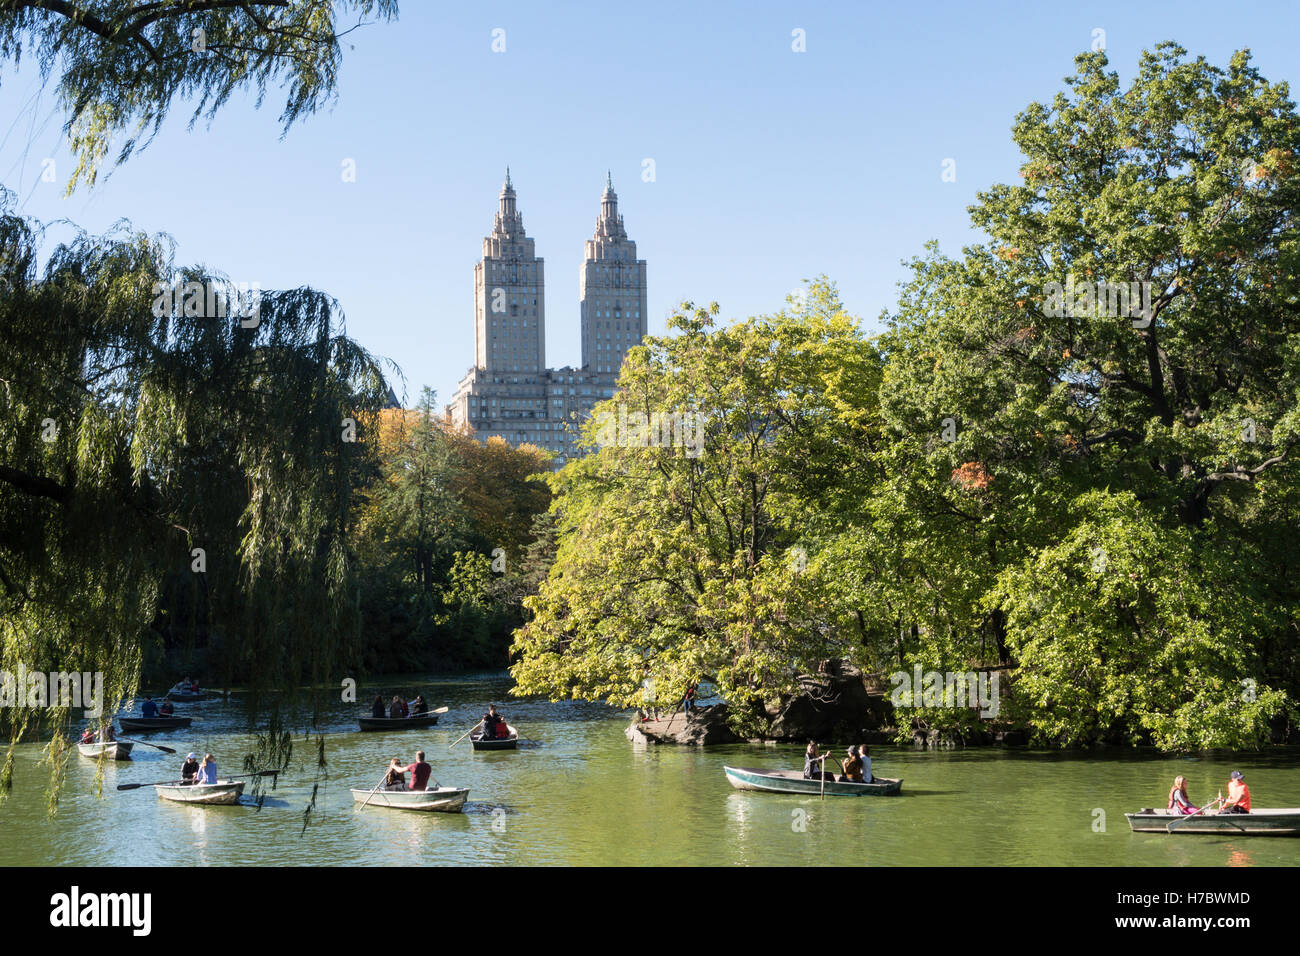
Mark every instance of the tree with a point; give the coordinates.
(1129, 331)
(679, 567)
(172, 454)
(122, 64)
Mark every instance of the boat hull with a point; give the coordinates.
(1283, 821)
(398, 723)
(442, 800)
(792, 781)
(148, 725)
(181, 698)
(223, 793)
(508, 742)
(113, 750)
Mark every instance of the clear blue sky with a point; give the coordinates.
(771, 166)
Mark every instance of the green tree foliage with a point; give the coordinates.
(189, 472)
(444, 531)
(1092, 492)
(122, 64)
(676, 567)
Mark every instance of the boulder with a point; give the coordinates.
(700, 728)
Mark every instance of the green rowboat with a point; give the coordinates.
(792, 781)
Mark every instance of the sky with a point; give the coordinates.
(770, 164)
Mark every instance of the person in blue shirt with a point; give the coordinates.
(149, 709)
(208, 772)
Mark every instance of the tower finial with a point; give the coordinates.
(609, 180)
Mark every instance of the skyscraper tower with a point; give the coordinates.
(611, 291)
(509, 296)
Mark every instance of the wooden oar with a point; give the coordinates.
(128, 740)
(373, 792)
(464, 735)
(164, 783)
(1169, 827)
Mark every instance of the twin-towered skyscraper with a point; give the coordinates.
(510, 392)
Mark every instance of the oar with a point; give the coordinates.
(164, 783)
(128, 740)
(1169, 827)
(464, 735)
(823, 774)
(373, 792)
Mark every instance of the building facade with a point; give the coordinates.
(510, 392)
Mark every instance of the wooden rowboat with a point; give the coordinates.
(793, 781)
(441, 800)
(110, 750)
(399, 723)
(186, 696)
(223, 793)
(1281, 821)
(509, 742)
(144, 725)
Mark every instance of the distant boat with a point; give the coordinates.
(111, 749)
(180, 693)
(441, 800)
(399, 723)
(793, 781)
(142, 725)
(509, 742)
(223, 793)
(1281, 821)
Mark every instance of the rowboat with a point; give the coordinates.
(1281, 821)
(440, 800)
(509, 742)
(793, 781)
(111, 750)
(399, 723)
(186, 696)
(223, 793)
(143, 725)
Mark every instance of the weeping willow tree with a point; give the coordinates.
(174, 459)
(121, 65)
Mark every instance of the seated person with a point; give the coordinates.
(395, 780)
(377, 708)
(852, 767)
(419, 771)
(189, 769)
(1238, 795)
(865, 757)
(492, 724)
(418, 706)
(813, 763)
(1178, 799)
(166, 710)
(149, 708)
(88, 735)
(395, 708)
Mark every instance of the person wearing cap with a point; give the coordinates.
(189, 769)
(852, 766)
(1238, 795)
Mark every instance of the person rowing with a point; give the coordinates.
(813, 763)
(1238, 795)
(189, 769)
(419, 706)
(148, 709)
(492, 723)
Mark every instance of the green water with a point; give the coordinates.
(580, 793)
